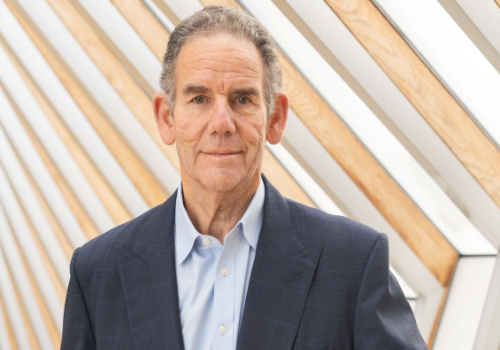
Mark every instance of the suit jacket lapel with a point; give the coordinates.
(279, 283)
(147, 273)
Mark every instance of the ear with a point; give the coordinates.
(164, 119)
(277, 121)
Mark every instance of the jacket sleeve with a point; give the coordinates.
(77, 331)
(383, 317)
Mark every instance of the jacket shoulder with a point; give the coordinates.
(313, 224)
(98, 251)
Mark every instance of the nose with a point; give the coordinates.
(221, 119)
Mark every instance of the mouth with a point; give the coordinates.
(222, 154)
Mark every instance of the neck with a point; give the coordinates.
(214, 212)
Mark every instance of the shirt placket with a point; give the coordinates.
(224, 294)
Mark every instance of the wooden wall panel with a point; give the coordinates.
(133, 96)
(8, 323)
(431, 99)
(145, 24)
(62, 238)
(55, 336)
(24, 313)
(82, 216)
(48, 264)
(134, 167)
(54, 223)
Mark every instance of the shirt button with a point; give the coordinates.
(223, 329)
(206, 241)
(224, 271)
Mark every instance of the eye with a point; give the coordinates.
(243, 100)
(198, 99)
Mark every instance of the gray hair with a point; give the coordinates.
(219, 19)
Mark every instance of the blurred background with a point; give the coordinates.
(394, 122)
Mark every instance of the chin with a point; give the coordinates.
(221, 179)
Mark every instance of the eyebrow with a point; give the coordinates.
(200, 89)
(194, 89)
(247, 91)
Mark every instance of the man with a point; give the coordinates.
(227, 262)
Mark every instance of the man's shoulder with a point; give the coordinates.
(97, 251)
(314, 224)
(347, 245)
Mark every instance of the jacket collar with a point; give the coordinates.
(281, 276)
(277, 225)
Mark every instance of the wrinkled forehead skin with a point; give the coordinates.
(223, 57)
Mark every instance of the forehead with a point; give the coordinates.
(222, 59)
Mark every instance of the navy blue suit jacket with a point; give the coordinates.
(318, 282)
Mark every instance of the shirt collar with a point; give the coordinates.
(186, 234)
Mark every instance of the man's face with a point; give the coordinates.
(219, 122)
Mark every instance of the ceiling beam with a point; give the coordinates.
(131, 93)
(145, 182)
(424, 90)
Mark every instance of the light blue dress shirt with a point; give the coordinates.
(212, 279)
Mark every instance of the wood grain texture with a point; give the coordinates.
(8, 324)
(134, 12)
(424, 90)
(141, 177)
(432, 336)
(392, 202)
(133, 96)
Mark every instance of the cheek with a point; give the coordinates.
(253, 135)
(188, 132)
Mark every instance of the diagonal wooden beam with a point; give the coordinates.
(54, 223)
(134, 167)
(131, 93)
(498, 3)
(84, 219)
(47, 317)
(424, 90)
(8, 324)
(22, 307)
(44, 254)
(167, 11)
(145, 24)
(435, 326)
(138, 15)
(393, 203)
